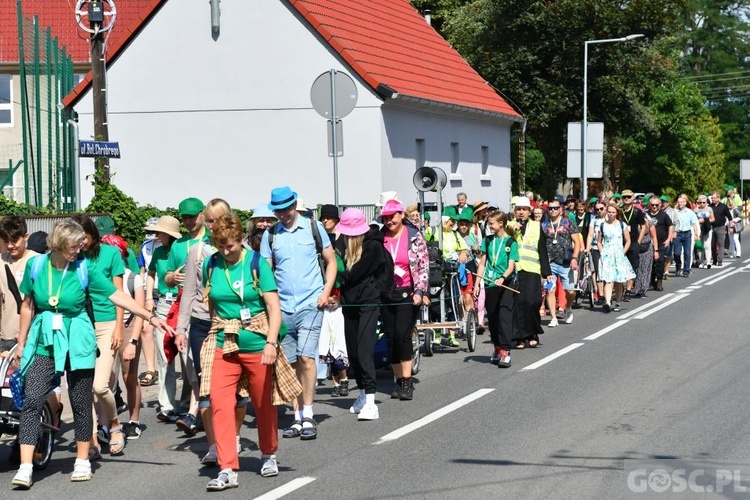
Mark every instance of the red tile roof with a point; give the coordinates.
(388, 42)
(60, 16)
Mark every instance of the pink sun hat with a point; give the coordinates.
(352, 223)
(392, 207)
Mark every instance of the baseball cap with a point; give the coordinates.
(191, 207)
(105, 225)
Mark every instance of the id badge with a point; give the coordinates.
(57, 321)
(168, 297)
(245, 316)
(399, 272)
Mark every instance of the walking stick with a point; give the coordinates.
(491, 281)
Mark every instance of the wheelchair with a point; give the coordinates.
(10, 418)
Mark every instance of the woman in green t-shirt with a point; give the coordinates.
(57, 335)
(497, 265)
(108, 325)
(242, 292)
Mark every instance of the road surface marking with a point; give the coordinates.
(662, 306)
(713, 276)
(289, 487)
(719, 278)
(644, 306)
(552, 356)
(611, 327)
(403, 431)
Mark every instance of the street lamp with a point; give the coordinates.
(584, 132)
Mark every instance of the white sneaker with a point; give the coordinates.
(552, 323)
(81, 471)
(210, 457)
(359, 403)
(369, 412)
(268, 466)
(22, 479)
(227, 478)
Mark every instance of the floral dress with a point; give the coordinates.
(614, 267)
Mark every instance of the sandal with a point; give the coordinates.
(309, 432)
(533, 343)
(293, 430)
(149, 378)
(95, 452)
(227, 478)
(521, 344)
(116, 446)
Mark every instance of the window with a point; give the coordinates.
(455, 176)
(6, 101)
(485, 175)
(420, 153)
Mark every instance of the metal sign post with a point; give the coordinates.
(334, 96)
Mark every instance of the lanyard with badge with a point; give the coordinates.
(496, 254)
(54, 300)
(393, 249)
(245, 315)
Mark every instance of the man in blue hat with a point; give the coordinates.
(305, 269)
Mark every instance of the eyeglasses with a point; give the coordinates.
(701, 202)
(654, 204)
(600, 209)
(553, 208)
(626, 197)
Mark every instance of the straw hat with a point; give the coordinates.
(167, 224)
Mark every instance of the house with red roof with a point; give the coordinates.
(221, 107)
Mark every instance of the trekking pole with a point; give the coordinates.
(491, 281)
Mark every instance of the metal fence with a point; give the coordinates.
(41, 166)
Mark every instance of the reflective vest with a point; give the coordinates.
(528, 248)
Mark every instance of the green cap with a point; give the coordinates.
(729, 188)
(466, 215)
(191, 207)
(664, 198)
(646, 198)
(593, 199)
(617, 195)
(105, 225)
(427, 216)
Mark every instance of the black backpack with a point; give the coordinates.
(435, 270)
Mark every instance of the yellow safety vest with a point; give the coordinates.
(528, 248)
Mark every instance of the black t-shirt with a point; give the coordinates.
(662, 222)
(635, 219)
(721, 212)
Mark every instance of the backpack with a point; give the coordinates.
(435, 270)
(213, 261)
(82, 271)
(318, 245)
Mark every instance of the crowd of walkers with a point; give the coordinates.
(250, 313)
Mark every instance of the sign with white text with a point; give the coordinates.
(94, 149)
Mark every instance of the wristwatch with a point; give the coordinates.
(134, 341)
(275, 344)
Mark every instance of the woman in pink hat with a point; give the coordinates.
(411, 261)
(360, 293)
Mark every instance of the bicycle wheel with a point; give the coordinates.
(416, 359)
(591, 292)
(43, 449)
(470, 330)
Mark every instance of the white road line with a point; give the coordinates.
(662, 306)
(746, 261)
(713, 276)
(289, 487)
(725, 276)
(644, 306)
(693, 287)
(403, 431)
(684, 290)
(611, 327)
(552, 356)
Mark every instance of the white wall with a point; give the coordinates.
(230, 117)
(403, 126)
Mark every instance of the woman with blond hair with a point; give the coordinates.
(360, 296)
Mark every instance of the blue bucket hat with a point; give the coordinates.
(262, 210)
(281, 198)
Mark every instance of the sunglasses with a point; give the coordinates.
(626, 197)
(553, 208)
(654, 204)
(600, 209)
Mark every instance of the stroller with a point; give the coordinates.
(10, 417)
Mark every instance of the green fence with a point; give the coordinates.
(43, 175)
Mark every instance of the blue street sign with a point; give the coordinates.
(93, 149)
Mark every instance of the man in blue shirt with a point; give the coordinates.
(303, 293)
(687, 231)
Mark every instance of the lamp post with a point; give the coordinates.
(584, 132)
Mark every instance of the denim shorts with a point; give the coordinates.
(565, 274)
(303, 333)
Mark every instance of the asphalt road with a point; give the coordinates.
(664, 378)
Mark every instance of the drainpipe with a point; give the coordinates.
(215, 15)
(77, 167)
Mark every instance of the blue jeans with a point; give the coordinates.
(683, 246)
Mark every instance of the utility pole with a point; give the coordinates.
(99, 86)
